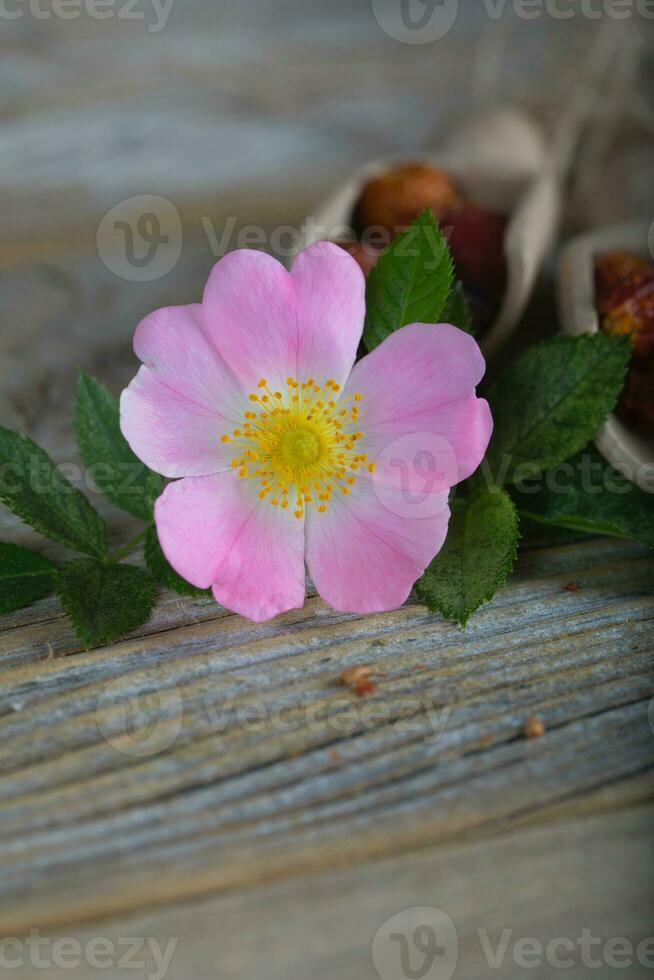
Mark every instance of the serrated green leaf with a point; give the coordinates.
(104, 601)
(476, 558)
(551, 402)
(456, 310)
(25, 577)
(118, 473)
(587, 494)
(163, 572)
(410, 282)
(34, 489)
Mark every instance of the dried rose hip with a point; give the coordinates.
(476, 240)
(631, 312)
(611, 270)
(365, 254)
(395, 198)
(624, 291)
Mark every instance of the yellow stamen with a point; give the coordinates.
(304, 446)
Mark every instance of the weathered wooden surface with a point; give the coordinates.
(209, 779)
(262, 766)
(323, 925)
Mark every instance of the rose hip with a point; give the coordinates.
(476, 240)
(630, 310)
(624, 296)
(365, 254)
(395, 198)
(614, 268)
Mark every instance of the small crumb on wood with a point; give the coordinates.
(358, 678)
(534, 727)
(572, 587)
(352, 675)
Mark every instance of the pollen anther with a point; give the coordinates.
(303, 446)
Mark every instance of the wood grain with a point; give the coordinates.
(316, 924)
(260, 765)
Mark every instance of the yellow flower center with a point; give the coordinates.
(299, 444)
(299, 447)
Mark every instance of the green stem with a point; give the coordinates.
(129, 547)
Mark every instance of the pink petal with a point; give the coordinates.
(330, 295)
(182, 399)
(422, 424)
(365, 552)
(215, 531)
(269, 323)
(249, 312)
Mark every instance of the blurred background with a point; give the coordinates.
(255, 108)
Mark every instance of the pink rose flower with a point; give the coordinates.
(289, 452)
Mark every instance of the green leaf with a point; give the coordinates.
(410, 282)
(552, 400)
(34, 489)
(117, 472)
(476, 558)
(104, 601)
(587, 494)
(24, 577)
(163, 572)
(456, 310)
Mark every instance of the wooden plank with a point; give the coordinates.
(264, 767)
(316, 924)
